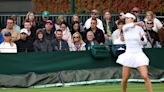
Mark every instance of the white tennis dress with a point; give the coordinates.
(133, 56)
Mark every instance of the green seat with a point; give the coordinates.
(100, 51)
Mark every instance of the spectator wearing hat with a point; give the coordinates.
(45, 17)
(48, 30)
(24, 44)
(94, 15)
(41, 44)
(58, 44)
(10, 28)
(7, 46)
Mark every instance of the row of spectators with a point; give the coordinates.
(47, 36)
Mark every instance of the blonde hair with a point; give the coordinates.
(151, 13)
(80, 37)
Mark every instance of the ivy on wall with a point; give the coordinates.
(84, 6)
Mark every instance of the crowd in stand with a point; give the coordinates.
(47, 36)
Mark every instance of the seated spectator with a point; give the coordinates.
(24, 44)
(31, 31)
(90, 41)
(41, 44)
(58, 22)
(76, 18)
(94, 15)
(76, 28)
(116, 33)
(152, 36)
(48, 30)
(120, 17)
(58, 44)
(15, 23)
(120, 39)
(10, 28)
(45, 17)
(30, 16)
(66, 33)
(77, 43)
(98, 33)
(7, 46)
(156, 23)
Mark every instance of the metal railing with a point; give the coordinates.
(83, 18)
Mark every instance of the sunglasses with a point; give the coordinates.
(76, 37)
(149, 23)
(135, 11)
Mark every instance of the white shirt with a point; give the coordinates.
(157, 24)
(5, 47)
(118, 41)
(116, 34)
(132, 37)
(87, 24)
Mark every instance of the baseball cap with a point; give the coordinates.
(49, 21)
(24, 31)
(7, 34)
(45, 14)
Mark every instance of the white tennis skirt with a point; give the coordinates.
(133, 60)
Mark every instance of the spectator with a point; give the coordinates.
(75, 27)
(90, 41)
(58, 43)
(75, 18)
(45, 17)
(109, 27)
(41, 44)
(31, 31)
(66, 33)
(116, 33)
(152, 36)
(77, 43)
(98, 33)
(30, 16)
(156, 23)
(120, 17)
(24, 44)
(120, 39)
(10, 28)
(94, 15)
(58, 22)
(15, 23)
(7, 46)
(136, 12)
(48, 30)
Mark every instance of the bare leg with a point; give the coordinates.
(144, 74)
(125, 76)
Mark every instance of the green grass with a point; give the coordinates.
(89, 88)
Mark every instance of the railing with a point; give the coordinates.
(83, 18)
